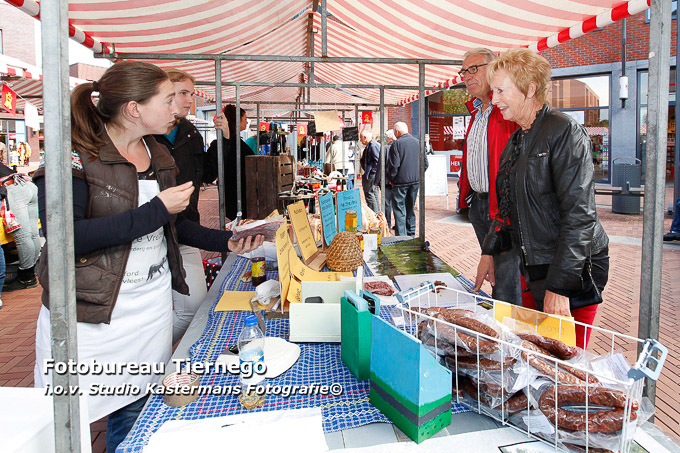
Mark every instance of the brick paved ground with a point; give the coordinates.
(453, 240)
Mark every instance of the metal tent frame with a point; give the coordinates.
(55, 26)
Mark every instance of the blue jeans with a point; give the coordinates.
(403, 202)
(507, 265)
(23, 201)
(120, 423)
(675, 226)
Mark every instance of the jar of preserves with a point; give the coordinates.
(360, 237)
(375, 230)
(258, 270)
(351, 221)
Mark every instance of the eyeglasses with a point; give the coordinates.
(471, 70)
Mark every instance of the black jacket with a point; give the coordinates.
(190, 158)
(403, 164)
(370, 158)
(229, 153)
(555, 201)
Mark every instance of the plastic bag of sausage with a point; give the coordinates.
(576, 414)
(489, 399)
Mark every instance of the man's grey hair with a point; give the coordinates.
(367, 133)
(401, 127)
(390, 135)
(489, 55)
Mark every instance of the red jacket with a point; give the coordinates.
(498, 133)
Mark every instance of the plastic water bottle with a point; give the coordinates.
(251, 350)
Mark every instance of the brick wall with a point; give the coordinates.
(18, 36)
(604, 46)
(395, 114)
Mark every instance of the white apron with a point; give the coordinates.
(140, 331)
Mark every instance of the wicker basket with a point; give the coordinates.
(344, 254)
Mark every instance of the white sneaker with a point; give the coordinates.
(0, 303)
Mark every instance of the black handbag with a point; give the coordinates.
(590, 295)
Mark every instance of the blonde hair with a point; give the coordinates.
(177, 75)
(524, 67)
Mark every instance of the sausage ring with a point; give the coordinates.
(515, 403)
(558, 348)
(598, 421)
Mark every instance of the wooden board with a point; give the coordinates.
(266, 176)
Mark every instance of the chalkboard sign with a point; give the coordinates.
(348, 200)
(328, 217)
(311, 128)
(350, 134)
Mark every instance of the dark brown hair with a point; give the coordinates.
(121, 83)
(230, 115)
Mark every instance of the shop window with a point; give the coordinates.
(643, 88)
(586, 99)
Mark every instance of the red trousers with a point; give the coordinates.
(585, 315)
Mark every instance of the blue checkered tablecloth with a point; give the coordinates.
(319, 364)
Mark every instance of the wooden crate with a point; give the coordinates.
(266, 176)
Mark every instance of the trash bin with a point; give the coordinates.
(626, 176)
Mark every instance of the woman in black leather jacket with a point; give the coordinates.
(545, 192)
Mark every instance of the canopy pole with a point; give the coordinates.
(421, 130)
(237, 120)
(382, 151)
(258, 128)
(220, 148)
(655, 176)
(59, 204)
(676, 174)
(324, 30)
(356, 145)
(311, 70)
(318, 85)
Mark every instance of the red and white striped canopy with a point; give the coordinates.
(432, 29)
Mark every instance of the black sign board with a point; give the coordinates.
(350, 134)
(311, 128)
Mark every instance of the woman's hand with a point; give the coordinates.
(221, 124)
(556, 304)
(485, 271)
(245, 245)
(176, 199)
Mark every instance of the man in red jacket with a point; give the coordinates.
(486, 137)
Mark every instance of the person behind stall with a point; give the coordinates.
(185, 144)
(369, 164)
(22, 200)
(546, 208)
(485, 140)
(428, 145)
(126, 238)
(226, 121)
(335, 158)
(389, 138)
(403, 172)
(674, 233)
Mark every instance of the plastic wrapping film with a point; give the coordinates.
(554, 391)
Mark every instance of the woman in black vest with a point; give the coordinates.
(126, 238)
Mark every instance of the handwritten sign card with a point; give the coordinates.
(283, 248)
(328, 217)
(349, 200)
(303, 231)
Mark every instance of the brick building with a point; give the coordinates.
(586, 74)
(17, 40)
